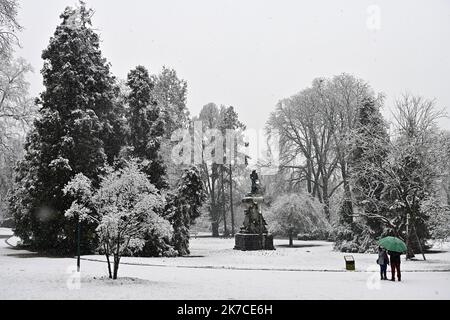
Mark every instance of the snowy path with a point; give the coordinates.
(26, 275)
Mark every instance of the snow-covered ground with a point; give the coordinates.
(305, 256)
(311, 270)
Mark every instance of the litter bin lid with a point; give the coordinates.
(349, 258)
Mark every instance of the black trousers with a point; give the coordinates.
(383, 269)
(395, 266)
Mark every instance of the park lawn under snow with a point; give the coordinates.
(210, 252)
(27, 275)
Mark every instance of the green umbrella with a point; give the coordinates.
(392, 244)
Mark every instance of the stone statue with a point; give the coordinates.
(254, 221)
(253, 234)
(256, 188)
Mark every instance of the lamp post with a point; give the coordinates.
(231, 201)
(78, 243)
(408, 255)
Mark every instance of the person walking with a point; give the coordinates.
(383, 261)
(395, 265)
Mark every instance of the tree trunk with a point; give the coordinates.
(409, 249)
(116, 266)
(109, 266)
(326, 199)
(215, 228)
(347, 206)
(231, 203)
(224, 212)
(213, 207)
(316, 187)
(308, 176)
(420, 245)
(291, 240)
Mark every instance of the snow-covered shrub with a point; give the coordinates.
(439, 218)
(300, 213)
(157, 236)
(125, 208)
(355, 237)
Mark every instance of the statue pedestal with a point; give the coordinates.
(253, 241)
(253, 234)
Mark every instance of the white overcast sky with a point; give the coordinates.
(250, 54)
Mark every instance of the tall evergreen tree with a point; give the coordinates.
(369, 148)
(146, 125)
(77, 132)
(170, 93)
(183, 207)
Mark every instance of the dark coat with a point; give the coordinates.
(395, 256)
(383, 258)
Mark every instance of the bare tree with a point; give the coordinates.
(17, 110)
(8, 27)
(415, 117)
(209, 115)
(346, 94)
(314, 127)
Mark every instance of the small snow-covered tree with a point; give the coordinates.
(125, 208)
(296, 213)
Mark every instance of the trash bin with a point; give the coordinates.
(349, 263)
